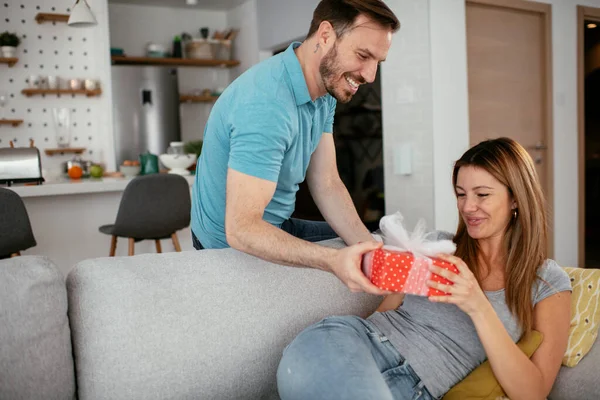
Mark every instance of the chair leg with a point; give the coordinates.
(131, 246)
(158, 248)
(113, 246)
(176, 242)
(17, 254)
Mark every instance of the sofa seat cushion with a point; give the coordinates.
(208, 324)
(36, 360)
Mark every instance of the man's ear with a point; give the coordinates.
(326, 34)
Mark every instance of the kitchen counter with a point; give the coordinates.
(82, 186)
(65, 216)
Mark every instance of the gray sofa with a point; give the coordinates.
(192, 325)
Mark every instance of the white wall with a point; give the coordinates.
(66, 52)
(407, 113)
(450, 103)
(281, 21)
(133, 26)
(246, 48)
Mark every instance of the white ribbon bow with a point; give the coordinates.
(396, 237)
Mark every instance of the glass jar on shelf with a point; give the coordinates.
(62, 126)
(176, 148)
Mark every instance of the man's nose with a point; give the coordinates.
(370, 71)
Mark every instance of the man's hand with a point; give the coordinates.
(346, 265)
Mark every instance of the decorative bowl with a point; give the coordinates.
(178, 163)
(130, 170)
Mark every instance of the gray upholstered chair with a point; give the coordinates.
(15, 229)
(153, 207)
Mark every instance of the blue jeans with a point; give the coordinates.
(311, 231)
(346, 358)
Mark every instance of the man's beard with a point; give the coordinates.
(330, 70)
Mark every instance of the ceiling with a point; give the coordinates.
(202, 4)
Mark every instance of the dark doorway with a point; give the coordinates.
(592, 143)
(357, 133)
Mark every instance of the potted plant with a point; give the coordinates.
(193, 147)
(8, 44)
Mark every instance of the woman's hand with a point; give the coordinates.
(465, 293)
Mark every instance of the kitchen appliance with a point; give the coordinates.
(77, 161)
(145, 110)
(20, 165)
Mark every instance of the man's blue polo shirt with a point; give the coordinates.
(265, 125)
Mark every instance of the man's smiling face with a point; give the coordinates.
(354, 58)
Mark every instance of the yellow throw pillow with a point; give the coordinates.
(585, 313)
(481, 384)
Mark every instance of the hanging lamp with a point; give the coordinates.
(81, 15)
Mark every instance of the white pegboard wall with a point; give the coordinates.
(51, 48)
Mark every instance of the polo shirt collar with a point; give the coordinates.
(292, 65)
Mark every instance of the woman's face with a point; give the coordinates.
(484, 204)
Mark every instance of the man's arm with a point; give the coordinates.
(331, 195)
(245, 230)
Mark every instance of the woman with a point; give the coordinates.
(416, 347)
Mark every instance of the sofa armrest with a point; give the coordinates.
(36, 359)
(580, 381)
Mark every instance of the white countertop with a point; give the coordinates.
(82, 186)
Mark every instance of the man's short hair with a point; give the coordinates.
(341, 14)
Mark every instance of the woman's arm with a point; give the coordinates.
(391, 302)
(520, 377)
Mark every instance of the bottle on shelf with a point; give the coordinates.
(177, 48)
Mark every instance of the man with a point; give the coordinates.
(272, 128)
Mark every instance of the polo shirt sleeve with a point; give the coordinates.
(260, 136)
(331, 103)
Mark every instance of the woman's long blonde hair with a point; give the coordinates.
(525, 241)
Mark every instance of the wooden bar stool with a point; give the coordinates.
(153, 207)
(16, 234)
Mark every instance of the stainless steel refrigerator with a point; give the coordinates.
(145, 110)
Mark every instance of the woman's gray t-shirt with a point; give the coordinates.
(439, 340)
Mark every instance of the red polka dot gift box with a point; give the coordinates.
(401, 271)
(402, 264)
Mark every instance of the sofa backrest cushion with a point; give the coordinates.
(36, 360)
(205, 324)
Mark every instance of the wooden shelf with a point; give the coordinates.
(58, 92)
(188, 98)
(13, 122)
(176, 62)
(47, 17)
(66, 150)
(9, 60)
